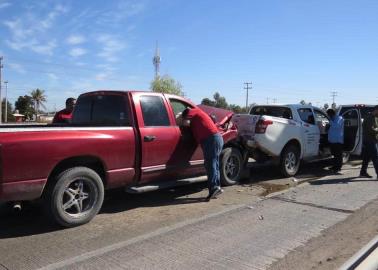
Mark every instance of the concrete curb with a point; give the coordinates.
(366, 258)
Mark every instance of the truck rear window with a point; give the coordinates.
(274, 111)
(101, 110)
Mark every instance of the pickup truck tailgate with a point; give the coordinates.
(246, 124)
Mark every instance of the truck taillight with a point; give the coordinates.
(262, 125)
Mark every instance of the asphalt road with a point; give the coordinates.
(246, 228)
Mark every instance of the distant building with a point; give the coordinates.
(19, 117)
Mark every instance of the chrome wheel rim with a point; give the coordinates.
(232, 167)
(291, 162)
(79, 197)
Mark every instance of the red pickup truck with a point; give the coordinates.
(116, 139)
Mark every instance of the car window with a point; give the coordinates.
(350, 118)
(366, 111)
(274, 111)
(178, 107)
(306, 115)
(320, 116)
(101, 110)
(154, 111)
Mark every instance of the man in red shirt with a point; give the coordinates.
(65, 115)
(207, 135)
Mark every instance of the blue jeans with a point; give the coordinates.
(369, 152)
(212, 148)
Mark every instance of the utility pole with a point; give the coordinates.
(1, 99)
(274, 100)
(267, 100)
(248, 85)
(333, 95)
(6, 102)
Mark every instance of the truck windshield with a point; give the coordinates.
(275, 111)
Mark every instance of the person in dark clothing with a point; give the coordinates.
(336, 139)
(370, 143)
(207, 135)
(65, 115)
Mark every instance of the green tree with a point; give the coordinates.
(236, 108)
(39, 98)
(208, 102)
(10, 117)
(220, 102)
(25, 106)
(166, 85)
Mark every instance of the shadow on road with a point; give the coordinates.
(32, 220)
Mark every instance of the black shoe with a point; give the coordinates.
(214, 193)
(365, 175)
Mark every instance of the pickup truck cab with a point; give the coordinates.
(116, 139)
(292, 133)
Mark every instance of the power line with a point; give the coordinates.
(333, 95)
(248, 85)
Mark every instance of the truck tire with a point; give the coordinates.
(290, 160)
(76, 197)
(231, 165)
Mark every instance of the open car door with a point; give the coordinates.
(352, 130)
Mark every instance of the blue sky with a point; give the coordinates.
(290, 50)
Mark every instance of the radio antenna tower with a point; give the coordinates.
(156, 61)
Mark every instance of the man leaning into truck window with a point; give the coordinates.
(207, 135)
(65, 115)
(370, 143)
(336, 139)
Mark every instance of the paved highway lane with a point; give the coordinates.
(176, 229)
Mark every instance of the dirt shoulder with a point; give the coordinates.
(336, 244)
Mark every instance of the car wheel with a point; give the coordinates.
(231, 166)
(290, 160)
(76, 197)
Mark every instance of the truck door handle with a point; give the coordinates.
(149, 138)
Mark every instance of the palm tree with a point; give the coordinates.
(38, 97)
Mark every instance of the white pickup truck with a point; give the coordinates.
(292, 133)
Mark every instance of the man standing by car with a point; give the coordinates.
(336, 139)
(370, 143)
(207, 135)
(65, 115)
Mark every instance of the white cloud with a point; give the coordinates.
(44, 49)
(52, 76)
(76, 39)
(111, 46)
(17, 67)
(101, 76)
(27, 31)
(5, 5)
(76, 52)
(123, 10)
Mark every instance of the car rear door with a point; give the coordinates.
(310, 132)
